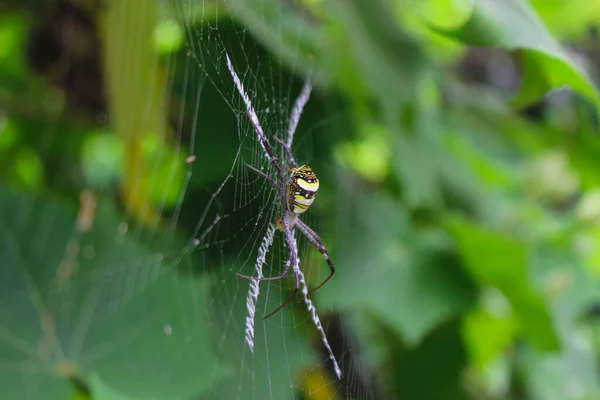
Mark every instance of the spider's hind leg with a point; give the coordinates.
(316, 241)
(290, 297)
(271, 278)
(275, 278)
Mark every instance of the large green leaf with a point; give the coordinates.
(392, 275)
(514, 25)
(80, 303)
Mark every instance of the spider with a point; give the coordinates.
(296, 193)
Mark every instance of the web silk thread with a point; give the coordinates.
(254, 289)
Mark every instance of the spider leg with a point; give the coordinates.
(268, 278)
(318, 243)
(267, 177)
(291, 260)
(288, 151)
(301, 101)
(264, 142)
(290, 297)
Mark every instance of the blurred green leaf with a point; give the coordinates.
(78, 303)
(382, 53)
(27, 170)
(12, 39)
(102, 158)
(400, 282)
(102, 392)
(488, 334)
(445, 13)
(168, 36)
(514, 25)
(370, 156)
(418, 164)
(574, 372)
(548, 176)
(168, 168)
(295, 50)
(561, 377)
(9, 133)
(480, 159)
(503, 262)
(81, 394)
(571, 18)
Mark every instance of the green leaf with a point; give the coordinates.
(9, 133)
(399, 277)
(167, 163)
(102, 156)
(572, 374)
(488, 334)
(514, 25)
(568, 18)
(501, 261)
(298, 40)
(369, 156)
(168, 36)
(28, 170)
(79, 303)
(103, 392)
(444, 13)
(13, 38)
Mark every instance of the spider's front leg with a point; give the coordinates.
(288, 152)
(267, 177)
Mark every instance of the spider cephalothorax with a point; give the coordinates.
(302, 187)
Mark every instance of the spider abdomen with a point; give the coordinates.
(302, 187)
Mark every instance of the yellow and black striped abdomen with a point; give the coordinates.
(302, 187)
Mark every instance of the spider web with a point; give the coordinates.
(214, 229)
(274, 357)
(287, 358)
(129, 209)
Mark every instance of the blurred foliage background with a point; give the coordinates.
(459, 142)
